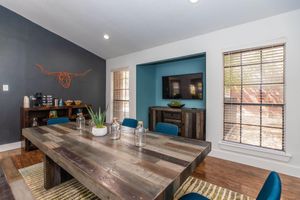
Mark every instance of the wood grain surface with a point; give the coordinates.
(117, 169)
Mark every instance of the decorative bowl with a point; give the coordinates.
(68, 102)
(176, 106)
(77, 102)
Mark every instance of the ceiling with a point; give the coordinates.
(135, 25)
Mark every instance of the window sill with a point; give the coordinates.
(255, 151)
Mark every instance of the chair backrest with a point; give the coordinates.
(166, 128)
(59, 120)
(130, 122)
(271, 189)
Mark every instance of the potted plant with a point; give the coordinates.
(175, 104)
(99, 128)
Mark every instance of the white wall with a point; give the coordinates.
(280, 28)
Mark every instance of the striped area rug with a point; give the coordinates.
(73, 190)
(208, 190)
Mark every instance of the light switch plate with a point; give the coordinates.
(5, 88)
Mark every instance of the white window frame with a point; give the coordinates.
(282, 156)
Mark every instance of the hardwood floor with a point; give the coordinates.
(243, 178)
(237, 177)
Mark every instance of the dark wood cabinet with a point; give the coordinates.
(191, 122)
(42, 115)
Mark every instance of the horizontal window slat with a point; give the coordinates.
(260, 63)
(254, 104)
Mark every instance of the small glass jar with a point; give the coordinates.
(115, 130)
(80, 122)
(91, 124)
(140, 135)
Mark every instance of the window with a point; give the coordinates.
(254, 97)
(121, 94)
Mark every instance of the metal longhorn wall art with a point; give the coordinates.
(63, 78)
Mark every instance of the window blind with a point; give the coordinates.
(254, 96)
(121, 94)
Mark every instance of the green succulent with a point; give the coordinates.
(98, 118)
(175, 103)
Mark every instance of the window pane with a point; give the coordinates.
(272, 73)
(251, 93)
(251, 74)
(251, 135)
(272, 116)
(232, 76)
(251, 115)
(272, 94)
(272, 138)
(273, 54)
(232, 59)
(232, 94)
(250, 57)
(232, 113)
(232, 132)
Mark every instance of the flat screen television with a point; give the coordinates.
(185, 86)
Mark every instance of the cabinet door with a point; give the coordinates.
(154, 117)
(200, 125)
(187, 129)
(193, 125)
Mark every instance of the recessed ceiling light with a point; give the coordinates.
(194, 1)
(106, 36)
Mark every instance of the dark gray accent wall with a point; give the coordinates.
(24, 44)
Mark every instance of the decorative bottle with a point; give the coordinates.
(80, 122)
(140, 135)
(115, 130)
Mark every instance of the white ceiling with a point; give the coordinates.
(135, 25)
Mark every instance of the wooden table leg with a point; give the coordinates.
(53, 173)
(27, 145)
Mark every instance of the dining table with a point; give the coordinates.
(117, 169)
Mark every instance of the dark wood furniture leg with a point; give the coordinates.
(53, 173)
(27, 145)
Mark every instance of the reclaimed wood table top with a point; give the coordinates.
(117, 169)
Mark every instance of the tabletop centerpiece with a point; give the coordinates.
(99, 128)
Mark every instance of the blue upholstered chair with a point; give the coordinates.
(132, 123)
(193, 196)
(166, 128)
(271, 190)
(59, 120)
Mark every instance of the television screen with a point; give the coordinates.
(186, 86)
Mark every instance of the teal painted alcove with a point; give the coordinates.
(149, 83)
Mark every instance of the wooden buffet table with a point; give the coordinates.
(117, 169)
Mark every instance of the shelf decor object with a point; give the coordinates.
(175, 104)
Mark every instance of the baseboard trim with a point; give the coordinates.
(273, 165)
(10, 146)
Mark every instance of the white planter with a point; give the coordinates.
(99, 131)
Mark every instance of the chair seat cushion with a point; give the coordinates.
(193, 196)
